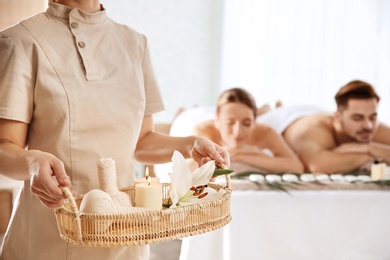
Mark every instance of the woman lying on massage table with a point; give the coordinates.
(252, 146)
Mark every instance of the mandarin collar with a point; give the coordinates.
(64, 12)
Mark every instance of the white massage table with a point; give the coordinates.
(338, 221)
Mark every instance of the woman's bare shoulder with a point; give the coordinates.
(263, 134)
(261, 129)
(205, 126)
(207, 129)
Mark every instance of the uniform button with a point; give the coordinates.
(74, 25)
(81, 44)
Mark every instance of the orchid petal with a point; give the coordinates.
(203, 174)
(182, 180)
(212, 194)
(181, 176)
(174, 197)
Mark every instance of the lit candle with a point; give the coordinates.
(148, 194)
(145, 180)
(378, 171)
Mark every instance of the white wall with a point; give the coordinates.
(303, 51)
(184, 37)
(200, 47)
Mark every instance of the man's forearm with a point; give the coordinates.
(378, 150)
(332, 162)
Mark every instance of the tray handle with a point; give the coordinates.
(228, 181)
(227, 176)
(75, 210)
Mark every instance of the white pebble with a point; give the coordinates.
(363, 178)
(256, 177)
(322, 177)
(350, 178)
(273, 178)
(289, 177)
(337, 177)
(307, 177)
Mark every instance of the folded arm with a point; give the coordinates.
(318, 151)
(380, 146)
(283, 159)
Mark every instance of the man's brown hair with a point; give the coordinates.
(355, 89)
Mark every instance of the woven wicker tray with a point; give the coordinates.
(112, 230)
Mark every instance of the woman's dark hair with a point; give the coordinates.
(237, 95)
(355, 89)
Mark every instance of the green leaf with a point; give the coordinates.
(381, 182)
(243, 175)
(219, 172)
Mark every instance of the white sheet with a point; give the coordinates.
(281, 117)
(187, 120)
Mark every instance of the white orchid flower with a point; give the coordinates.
(184, 183)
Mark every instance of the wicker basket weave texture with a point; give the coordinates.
(138, 228)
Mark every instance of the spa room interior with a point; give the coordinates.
(292, 52)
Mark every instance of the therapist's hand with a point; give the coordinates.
(47, 175)
(204, 150)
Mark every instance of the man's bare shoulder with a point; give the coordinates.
(316, 127)
(382, 135)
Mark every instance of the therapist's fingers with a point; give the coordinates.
(204, 150)
(60, 174)
(47, 176)
(47, 200)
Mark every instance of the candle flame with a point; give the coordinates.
(147, 173)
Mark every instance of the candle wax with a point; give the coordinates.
(378, 171)
(148, 195)
(144, 180)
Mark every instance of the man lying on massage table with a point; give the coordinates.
(348, 140)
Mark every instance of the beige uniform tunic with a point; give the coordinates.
(83, 83)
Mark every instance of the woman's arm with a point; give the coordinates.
(283, 160)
